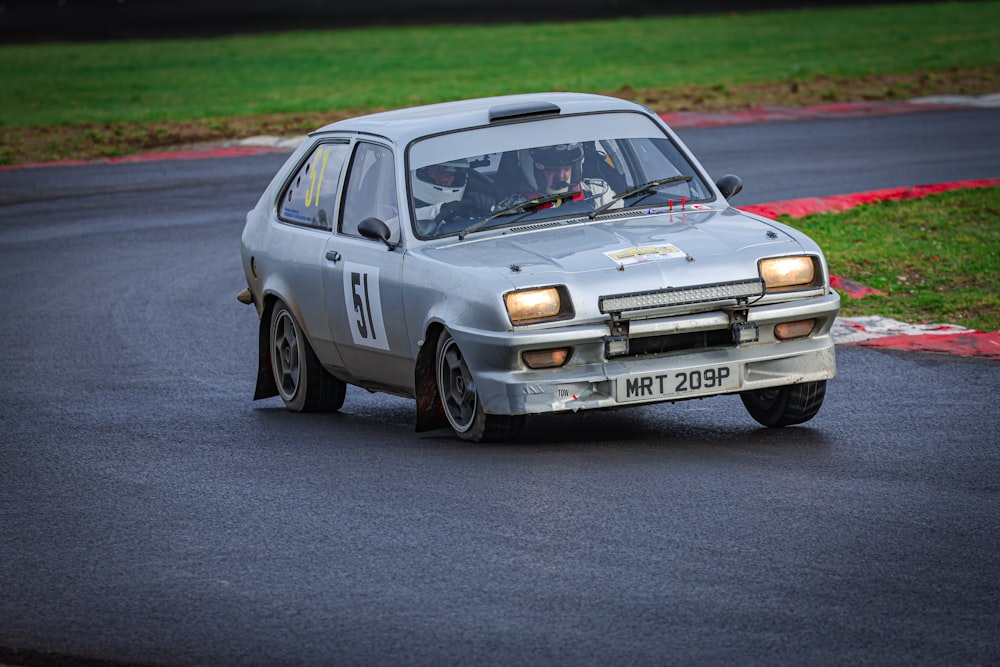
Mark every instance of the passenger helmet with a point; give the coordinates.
(430, 188)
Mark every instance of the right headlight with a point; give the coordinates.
(794, 272)
(538, 304)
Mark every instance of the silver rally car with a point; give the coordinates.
(527, 254)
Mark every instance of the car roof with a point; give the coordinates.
(404, 125)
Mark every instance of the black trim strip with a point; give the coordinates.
(521, 110)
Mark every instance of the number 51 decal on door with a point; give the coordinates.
(364, 306)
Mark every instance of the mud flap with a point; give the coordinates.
(430, 413)
(266, 386)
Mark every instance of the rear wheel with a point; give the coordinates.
(303, 383)
(784, 406)
(460, 400)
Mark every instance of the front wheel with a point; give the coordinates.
(784, 406)
(460, 400)
(303, 384)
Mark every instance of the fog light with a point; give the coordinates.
(615, 346)
(546, 358)
(790, 330)
(745, 332)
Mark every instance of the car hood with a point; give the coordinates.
(710, 245)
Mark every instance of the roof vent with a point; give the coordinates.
(521, 110)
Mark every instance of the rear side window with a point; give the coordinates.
(310, 198)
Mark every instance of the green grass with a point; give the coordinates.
(391, 67)
(937, 258)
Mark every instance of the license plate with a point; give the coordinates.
(677, 384)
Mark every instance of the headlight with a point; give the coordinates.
(535, 305)
(787, 273)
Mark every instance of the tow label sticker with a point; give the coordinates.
(364, 305)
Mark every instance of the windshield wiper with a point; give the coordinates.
(526, 206)
(639, 189)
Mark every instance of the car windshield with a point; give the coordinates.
(585, 165)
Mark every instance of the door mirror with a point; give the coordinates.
(376, 230)
(729, 185)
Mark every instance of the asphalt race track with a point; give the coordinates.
(151, 513)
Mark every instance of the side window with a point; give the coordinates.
(310, 197)
(371, 190)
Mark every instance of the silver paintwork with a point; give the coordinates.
(428, 283)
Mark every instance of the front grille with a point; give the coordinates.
(680, 342)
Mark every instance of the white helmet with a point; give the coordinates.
(442, 182)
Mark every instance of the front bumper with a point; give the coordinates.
(590, 381)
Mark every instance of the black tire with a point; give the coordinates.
(457, 389)
(303, 384)
(784, 406)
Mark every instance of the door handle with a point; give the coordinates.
(333, 255)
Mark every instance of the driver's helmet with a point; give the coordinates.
(442, 182)
(549, 158)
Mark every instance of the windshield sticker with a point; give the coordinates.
(647, 253)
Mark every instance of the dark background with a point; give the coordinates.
(72, 20)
